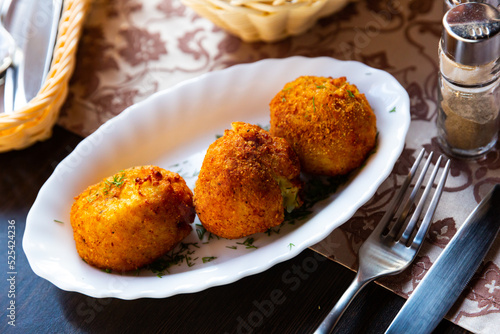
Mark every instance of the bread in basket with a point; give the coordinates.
(265, 20)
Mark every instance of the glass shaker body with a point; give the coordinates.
(468, 107)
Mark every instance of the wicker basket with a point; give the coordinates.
(265, 20)
(35, 121)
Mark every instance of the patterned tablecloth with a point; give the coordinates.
(131, 49)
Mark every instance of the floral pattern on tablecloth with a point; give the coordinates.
(131, 49)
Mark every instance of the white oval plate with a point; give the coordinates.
(172, 129)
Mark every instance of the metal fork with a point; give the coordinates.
(390, 251)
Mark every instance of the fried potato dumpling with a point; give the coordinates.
(131, 218)
(247, 179)
(328, 122)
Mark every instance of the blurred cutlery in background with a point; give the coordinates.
(7, 45)
(33, 24)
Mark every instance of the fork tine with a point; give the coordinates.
(420, 206)
(396, 229)
(426, 222)
(391, 210)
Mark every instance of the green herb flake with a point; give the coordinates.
(283, 99)
(392, 110)
(290, 245)
(58, 221)
(118, 180)
(321, 86)
(314, 104)
(107, 270)
(189, 261)
(179, 255)
(213, 236)
(200, 230)
(248, 243)
(317, 188)
(232, 247)
(208, 258)
(350, 93)
(273, 230)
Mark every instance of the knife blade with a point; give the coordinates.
(451, 272)
(34, 25)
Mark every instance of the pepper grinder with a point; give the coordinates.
(469, 93)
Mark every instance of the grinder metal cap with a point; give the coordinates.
(449, 4)
(471, 34)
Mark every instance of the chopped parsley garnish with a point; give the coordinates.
(232, 247)
(200, 230)
(321, 86)
(208, 258)
(290, 245)
(316, 188)
(91, 197)
(117, 180)
(213, 236)
(393, 110)
(177, 256)
(248, 243)
(350, 93)
(58, 221)
(271, 230)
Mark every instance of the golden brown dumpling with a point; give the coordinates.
(328, 122)
(247, 180)
(131, 218)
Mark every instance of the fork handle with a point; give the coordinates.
(333, 317)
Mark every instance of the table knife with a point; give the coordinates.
(34, 25)
(451, 272)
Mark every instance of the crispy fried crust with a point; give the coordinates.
(328, 122)
(238, 189)
(131, 218)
